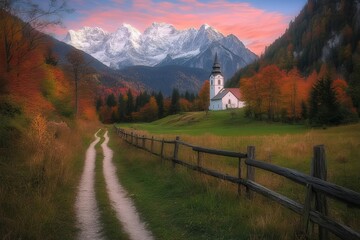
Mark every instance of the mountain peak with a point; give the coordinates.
(160, 43)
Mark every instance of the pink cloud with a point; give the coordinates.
(255, 27)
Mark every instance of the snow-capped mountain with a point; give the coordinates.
(162, 44)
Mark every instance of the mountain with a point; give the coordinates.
(106, 76)
(325, 35)
(162, 44)
(166, 78)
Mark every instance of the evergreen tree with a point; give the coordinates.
(110, 101)
(323, 106)
(99, 103)
(304, 111)
(129, 104)
(141, 100)
(160, 103)
(175, 102)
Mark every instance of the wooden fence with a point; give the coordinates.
(317, 188)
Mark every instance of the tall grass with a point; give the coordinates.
(39, 172)
(293, 151)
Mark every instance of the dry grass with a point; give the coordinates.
(294, 151)
(37, 186)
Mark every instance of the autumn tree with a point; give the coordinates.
(122, 107)
(204, 96)
(150, 110)
(21, 23)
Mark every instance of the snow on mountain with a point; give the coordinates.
(87, 39)
(159, 44)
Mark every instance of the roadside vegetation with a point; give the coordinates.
(40, 163)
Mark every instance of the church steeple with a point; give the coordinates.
(216, 79)
(216, 66)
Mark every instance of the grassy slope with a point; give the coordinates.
(224, 123)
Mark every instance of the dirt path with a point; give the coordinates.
(87, 212)
(125, 209)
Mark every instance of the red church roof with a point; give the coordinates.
(223, 92)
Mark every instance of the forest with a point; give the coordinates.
(321, 45)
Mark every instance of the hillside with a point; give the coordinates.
(323, 41)
(166, 78)
(42, 135)
(323, 32)
(220, 123)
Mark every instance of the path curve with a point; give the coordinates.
(123, 205)
(87, 212)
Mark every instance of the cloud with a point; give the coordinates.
(257, 28)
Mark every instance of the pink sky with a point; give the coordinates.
(255, 27)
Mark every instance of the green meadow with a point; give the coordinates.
(222, 123)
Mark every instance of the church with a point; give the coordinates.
(222, 98)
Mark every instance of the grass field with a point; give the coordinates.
(284, 145)
(222, 123)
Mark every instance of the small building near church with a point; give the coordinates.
(222, 98)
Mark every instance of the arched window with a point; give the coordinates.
(229, 101)
(211, 82)
(219, 82)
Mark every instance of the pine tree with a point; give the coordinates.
(129, 104)
(323, 106)
(160, 103)
(110, 101)
(99, 103)
(175, 102)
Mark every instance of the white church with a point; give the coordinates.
(222, 98)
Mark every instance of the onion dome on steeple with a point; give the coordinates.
(216, 67)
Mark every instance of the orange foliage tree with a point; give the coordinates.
(204, 96)
(149, 112)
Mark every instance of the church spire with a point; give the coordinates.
(216, 67)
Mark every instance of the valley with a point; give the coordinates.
(156, 119)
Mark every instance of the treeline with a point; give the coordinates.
(276, 95)
(145, 107)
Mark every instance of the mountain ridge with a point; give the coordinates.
(159, 44)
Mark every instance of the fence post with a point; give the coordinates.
(152, 144)
(162, 150)
(176, 150)
(137, 140)
(143, 142)
(132, 137)
(319, 171)
(250, 171)
(198, 159)
(239, 176)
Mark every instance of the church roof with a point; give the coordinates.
(224, 91)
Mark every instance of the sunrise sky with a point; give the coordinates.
(257, 23)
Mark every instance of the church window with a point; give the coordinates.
(211, 82)
(219, 82)
(229, 101)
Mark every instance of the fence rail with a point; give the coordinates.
(316, 185)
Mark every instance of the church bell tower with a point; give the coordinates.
(216, 79)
